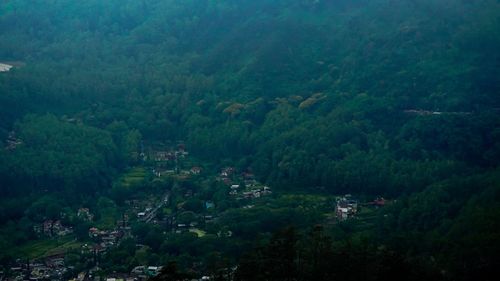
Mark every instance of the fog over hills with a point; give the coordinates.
(249, 139)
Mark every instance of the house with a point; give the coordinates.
(235, 186)
(153, 270)
(138, 270)
(209, 205)
(93, 232)
(41, 272)
(266, 190)
(51, 228)
(346, 208)
(84, 213)
(342, 211)
(12, 141)
(195, 170)
(98, 249)
(227, 172)
(65, 231)
(109, 240)
(5, 67)
(55, 262)
(379, 202)
(248, 194)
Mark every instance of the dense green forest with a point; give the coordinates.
(399, 99)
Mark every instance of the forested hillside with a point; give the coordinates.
(399, 99)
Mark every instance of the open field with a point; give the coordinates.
(47, 247)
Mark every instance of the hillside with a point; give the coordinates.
(380, 98)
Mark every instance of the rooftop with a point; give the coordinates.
(5, 67)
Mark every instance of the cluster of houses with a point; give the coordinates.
(55, 228)
(103, 241)
(142, 209)
(143, 214)
(249, 193)
(52, 268)
(170, 154)
(346, 207)
(139, 273)
(159, 172)
(167, 161)
(107, 238)
(84, 214)
(145, 271)
(149, 213)
(52, 228)
(163, 154)
(249, 188)
(227, 172)
(193, 225)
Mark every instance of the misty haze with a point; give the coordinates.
(249, 140)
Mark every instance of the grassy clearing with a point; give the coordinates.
(366, 218)
(108, 219)
(200, 233)
(306, 201)
(70, 245)
(46, 247)
(133, 177)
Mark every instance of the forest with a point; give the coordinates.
(218, 138)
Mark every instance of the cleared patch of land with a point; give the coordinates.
(133, 177)
(48, 247)
(198, 232)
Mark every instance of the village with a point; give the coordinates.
(168, 209)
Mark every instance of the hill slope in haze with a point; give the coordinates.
(375, 98)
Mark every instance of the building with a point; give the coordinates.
(227, 172)
(379, 202)
(5, 67)
(84, 213)
(195, 170)
(346, 208)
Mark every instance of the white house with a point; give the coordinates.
(5, 67)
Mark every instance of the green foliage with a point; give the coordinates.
(58, 156)
(376, 98)
(288, 256)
